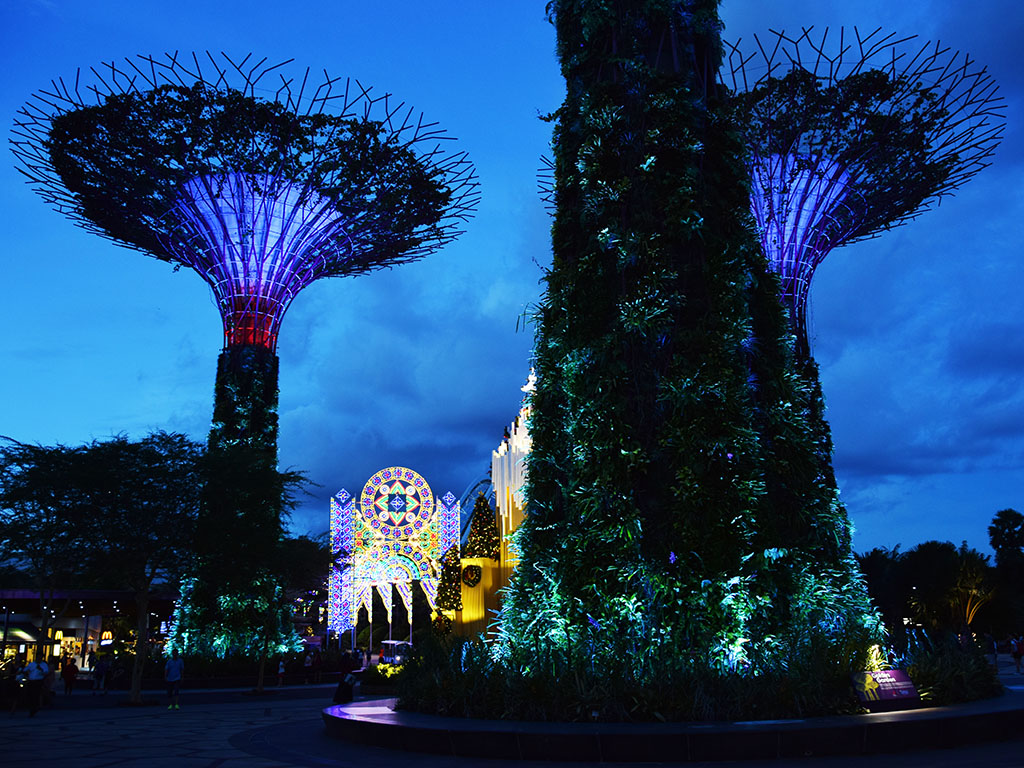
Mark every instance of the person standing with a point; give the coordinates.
(69, 674)
(12, 684)
(318, 665)
(35, 674)
(174, 670)
(346, 686)
(1017, 650)
(99, 676)
(307, 666)
(50, 686)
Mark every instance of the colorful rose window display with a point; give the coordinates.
(394, 535)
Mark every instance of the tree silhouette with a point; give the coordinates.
(1006, 534)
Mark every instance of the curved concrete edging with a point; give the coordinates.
(373, 723)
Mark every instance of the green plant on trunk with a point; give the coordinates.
(234, 599)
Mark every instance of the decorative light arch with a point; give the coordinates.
(395, 535)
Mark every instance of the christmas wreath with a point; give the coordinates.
(442, 624)
(471, 575)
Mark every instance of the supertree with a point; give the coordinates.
(258, 181)
(849, 135)
(677, 516)
(852, 135)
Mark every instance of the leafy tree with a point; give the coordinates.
(483, 540)
(1006, 534)
(42, 521)
(886, 583)
(945, 586)
(120, 513)
(307, 562)
(142, 502)
(973, 587)
(930, 570)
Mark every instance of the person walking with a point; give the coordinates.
(318, 666)
(35, 674)
(1017, 650)
(69, 674)
(307, 666)
(99, 676)
(174, 670)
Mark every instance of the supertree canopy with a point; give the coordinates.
(259, 182)
(850, 136)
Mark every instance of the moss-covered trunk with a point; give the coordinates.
(245, 399)
(677, 503)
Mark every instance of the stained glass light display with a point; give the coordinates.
(851, 135)
(393, 536)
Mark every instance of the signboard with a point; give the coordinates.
(885, 690)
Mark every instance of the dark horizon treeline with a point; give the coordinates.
(941, 587)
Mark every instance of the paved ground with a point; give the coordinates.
(227, 729)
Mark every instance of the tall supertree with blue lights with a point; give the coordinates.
(850, 135)
(677, 516)
(259, 181)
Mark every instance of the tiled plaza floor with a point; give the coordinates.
(229, 730)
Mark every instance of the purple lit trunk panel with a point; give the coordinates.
(794, 201)
(257, 240)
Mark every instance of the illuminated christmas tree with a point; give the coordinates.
(483, 538)
(260, 181)
(449, 588)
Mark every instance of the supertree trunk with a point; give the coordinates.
(849, 135)
(245, 400)
(677, 510)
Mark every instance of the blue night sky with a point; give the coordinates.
(918, 332)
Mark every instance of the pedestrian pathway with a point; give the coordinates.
(226, 729)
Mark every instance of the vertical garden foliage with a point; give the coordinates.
(232, 599)
(245, 400)
(680, 512)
